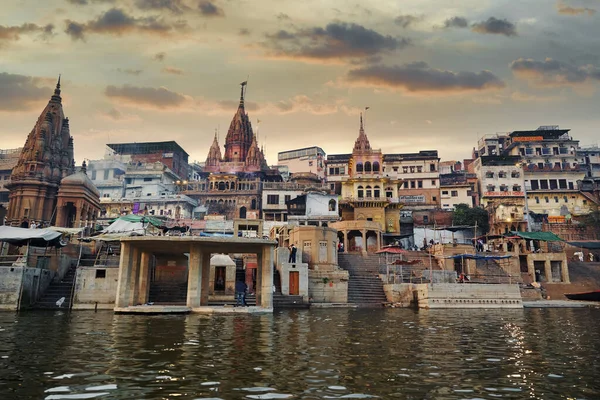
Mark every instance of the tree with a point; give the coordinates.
(471, 216)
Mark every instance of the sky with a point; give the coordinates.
(435, 75)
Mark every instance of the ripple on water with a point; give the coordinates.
(269, 396)
(80, 396)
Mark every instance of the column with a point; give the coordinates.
(198, 273)
(143, 278)
(264, 278)
(122, 298)
(134, 277)
(548, 269)
(364, 239)
(378, 240)
(346, 248)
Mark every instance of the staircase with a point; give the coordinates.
(364, 286)
(488, 271)
(58, 290)
(168, 293)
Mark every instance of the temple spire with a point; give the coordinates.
(362, 142)
(56, 95)
(243, 85)
(362, 129)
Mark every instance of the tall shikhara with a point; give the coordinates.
(46, 158)
(242, 153)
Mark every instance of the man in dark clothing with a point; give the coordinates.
(292, 258)
(240, 293)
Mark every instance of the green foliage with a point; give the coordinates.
(465, 215)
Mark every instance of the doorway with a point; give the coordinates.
(219, 279)
(294, 283)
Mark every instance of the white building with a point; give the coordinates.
(308, 159)
(454, 189)
(314, 208)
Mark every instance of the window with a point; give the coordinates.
(515, 174)
(147, 179)
(535, 185)
(489, 174)
(100, 273)
(433, 183)
(368, 192)
(537, 200)
(395, 169)
(571, 187)
(405, 185)
(431, 167)
(412, 170)
(425, 219)
(310, 163)
(287, 198)
(565, 199)
(444, 192)
(420, 184)
(375, 166)
(359, 168)
(491, 188)
(331, 170)
(412, 184)
(434, 199)
(360, 192)
(106, 171)
(405, 170)
(553, 184)
(368, 166)
(516, 188)
(562, 183)
(94, 175)
(543, 184)
(419, 169)
(556, 199)
(501, 174)
(376, 192)
(273, 199)
(454, 193)
(332, 205)
(547, 199)
(105, 195)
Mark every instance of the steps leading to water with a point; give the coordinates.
(364, 286)
(58, 290)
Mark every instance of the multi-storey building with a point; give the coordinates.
(455, 188)
(308, 159)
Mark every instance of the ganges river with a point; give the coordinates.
(304, 354)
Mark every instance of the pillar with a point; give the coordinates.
(346, 248)
(143, 278)
(264, 277)
(122, 297)
(364, 239)
(134, 277)
(378, 240)
(548, 269)
(198, 277)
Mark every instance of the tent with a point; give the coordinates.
(130, 225)
(543, 236)
(32, 237)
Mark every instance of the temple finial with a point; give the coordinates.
(57, 89)
(361, 123)
(243, 85)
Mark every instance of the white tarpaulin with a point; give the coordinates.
(33, 237)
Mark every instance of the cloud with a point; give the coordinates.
(568, 10)
(175, 6)
(553, 72)
(495, 26)
(296, 104)
(172, 70)
(129, 71)
(147, 97)
(282, 17)
(209, 9)
(116, 22)
(13, 33)
(21, 92)
(86, 2)
(456, 22)
(117, 115)
(521, 97)
(336, 41)
(406, 20)
(160, 56)
(244, 32)
(419, 77)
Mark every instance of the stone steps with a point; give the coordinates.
(56, 291)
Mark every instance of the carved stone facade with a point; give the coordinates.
(44, 162)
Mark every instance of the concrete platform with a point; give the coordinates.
(173, 309)
(333, 305)
(560, 304)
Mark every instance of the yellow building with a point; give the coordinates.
(369, 199)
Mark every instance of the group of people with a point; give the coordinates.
(31, 225)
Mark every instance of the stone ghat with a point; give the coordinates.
(467, 295)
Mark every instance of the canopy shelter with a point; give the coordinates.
(67, 231)
(542, 236)
(33, 237)
(391, 250)
(130, 225)
(588, 244)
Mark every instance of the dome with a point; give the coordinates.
(221, 260)
(80, 179)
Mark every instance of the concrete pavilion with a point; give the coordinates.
(134, 271)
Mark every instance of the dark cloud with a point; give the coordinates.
(568, 10)
(554, 73)
(158, 98)
(244, 32)
(335, 41)
(128, 71)
(116, 22)
(282, 17)
(456, 22)
(175, 6)
(209, 9)
(160, 56)
(172, 71)
(406, 20)
(113, 113)
(495, 26)
(419, 77)
(21, 92)
(13, 33)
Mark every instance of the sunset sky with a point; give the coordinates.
(435, 74)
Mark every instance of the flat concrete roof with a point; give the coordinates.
(181, 244)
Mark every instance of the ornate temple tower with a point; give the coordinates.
(213, 160)
(239, 136)
(364, 159)
(255, 160)
(45, 160)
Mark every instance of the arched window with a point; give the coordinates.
(253, 204)
(367, 167)
(389, 192)
(369, 192)
(227, 185)
(359, 168)
(377, 192)
(243, 212)
(212, 185)
(332, 205)
(221, 185)
(361, 192)
(375, 166)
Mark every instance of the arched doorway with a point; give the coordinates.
(242, 212)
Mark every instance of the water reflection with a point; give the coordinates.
(317, 354)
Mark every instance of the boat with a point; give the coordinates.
(587, 296)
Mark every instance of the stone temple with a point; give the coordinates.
(44, 186)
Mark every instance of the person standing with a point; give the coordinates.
(240, 293)
(292, 259)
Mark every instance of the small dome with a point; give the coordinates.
(221, 260)
(80, 179)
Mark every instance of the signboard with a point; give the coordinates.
(528, 139)
(503, 194)
(412, 199)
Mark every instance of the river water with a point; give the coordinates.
(304, 354)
